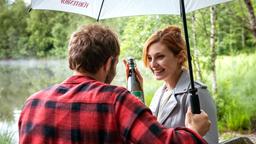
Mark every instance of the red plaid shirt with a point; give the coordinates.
(83, 110)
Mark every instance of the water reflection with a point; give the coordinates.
(19, 79)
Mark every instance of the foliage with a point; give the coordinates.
(12, 28)
(138, 29)
(36, 34)
(234, 35)
(236, 97)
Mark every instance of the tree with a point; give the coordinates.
(196, 61)
(213, 50)
(233, 35)
(64, 24)
(13, 23)
(250, 9)
(138, 29)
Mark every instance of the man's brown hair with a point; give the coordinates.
(90, 47)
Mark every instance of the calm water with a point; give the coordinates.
(21, 78)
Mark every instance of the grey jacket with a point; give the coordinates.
(174, 111)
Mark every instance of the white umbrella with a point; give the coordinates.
(103, 9)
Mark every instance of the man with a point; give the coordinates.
(85, 108)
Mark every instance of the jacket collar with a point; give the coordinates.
(181, 87)
(76, 79)
(183, 83)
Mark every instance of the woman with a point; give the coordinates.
(165, 55)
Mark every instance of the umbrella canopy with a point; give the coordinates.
(103, 9)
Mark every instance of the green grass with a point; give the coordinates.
(236, 78)
(6, 137)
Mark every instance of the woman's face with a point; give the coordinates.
(162, 62)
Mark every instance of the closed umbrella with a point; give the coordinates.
(103, 9)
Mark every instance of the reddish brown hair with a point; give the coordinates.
(172, 39)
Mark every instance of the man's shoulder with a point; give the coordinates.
(115, 90)
(104, 87)
(95, 92)
(41, 93)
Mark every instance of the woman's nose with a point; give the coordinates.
(153, 63)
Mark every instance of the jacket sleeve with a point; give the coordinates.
(208, 105)
(138, 125)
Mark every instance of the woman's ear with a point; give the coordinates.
(181, 58)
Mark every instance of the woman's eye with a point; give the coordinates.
(160, 56)
(149, 59)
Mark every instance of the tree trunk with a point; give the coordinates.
(249, 6)
(243, 38)
(213, 50)
(196, 51)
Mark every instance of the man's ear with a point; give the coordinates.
(108, 64)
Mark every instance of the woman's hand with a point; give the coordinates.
(200, 123)
(138, 75)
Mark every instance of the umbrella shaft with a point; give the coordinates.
(195, 105)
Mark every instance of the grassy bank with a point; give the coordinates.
(237, 89)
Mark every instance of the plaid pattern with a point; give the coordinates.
(83, 110)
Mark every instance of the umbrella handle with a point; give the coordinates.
(194, 101)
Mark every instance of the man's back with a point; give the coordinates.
(78, 110)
